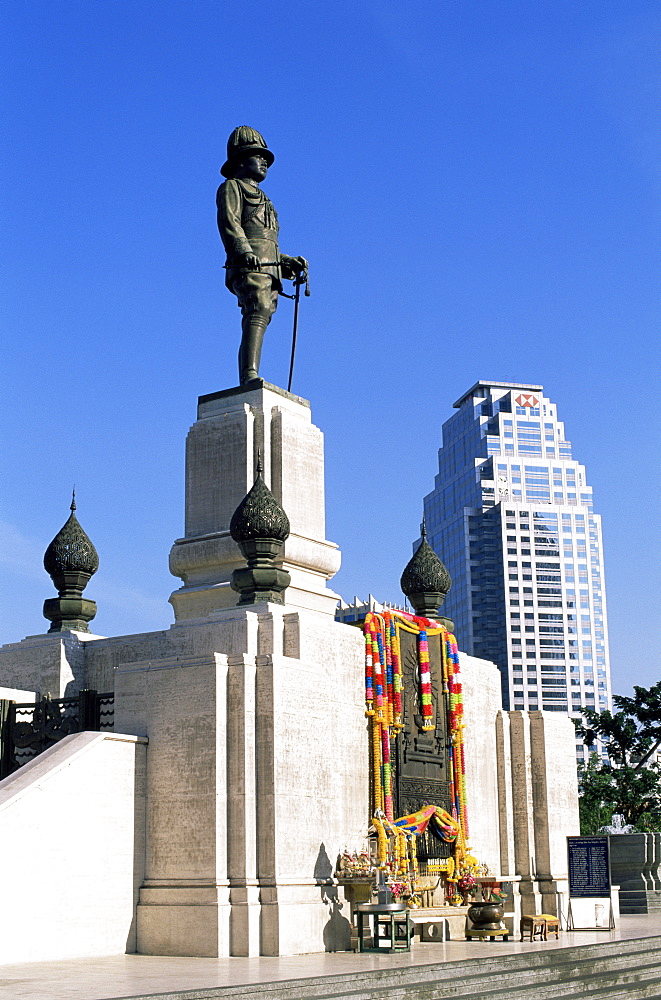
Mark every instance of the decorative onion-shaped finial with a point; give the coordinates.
(259, 515)
(425, 580)
(259, 526)
(71, 550)
(70, 560)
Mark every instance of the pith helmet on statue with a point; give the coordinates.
(245, 141)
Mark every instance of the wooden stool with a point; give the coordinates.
(535, 925)
(551, 923)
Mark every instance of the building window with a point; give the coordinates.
(527, 411)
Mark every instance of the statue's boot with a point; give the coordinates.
(250, 351)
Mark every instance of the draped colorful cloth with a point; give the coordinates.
(442, 824)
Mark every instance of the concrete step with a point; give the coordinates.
(647, 988)
(641, 981)
(542, 984)
(613, 970)
(539, 983)
(634, 901)
(624, 991)
(517, 968)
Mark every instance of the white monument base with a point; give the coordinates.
(256, 780)
(257, 765)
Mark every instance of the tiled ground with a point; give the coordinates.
(133, 975)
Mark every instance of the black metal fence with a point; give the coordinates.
(28, 729)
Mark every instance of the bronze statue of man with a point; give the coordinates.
(248, 226)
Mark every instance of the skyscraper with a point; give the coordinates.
(511, 516)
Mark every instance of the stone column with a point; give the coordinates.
(505, 801)
(545, 800)
(555, 801)
(221, 455)
(178, 701)
(522, 811)
(241, 818)
(312, 779)
(656, 868)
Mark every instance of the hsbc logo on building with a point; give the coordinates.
(527, 399)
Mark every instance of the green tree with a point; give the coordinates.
(630, 781)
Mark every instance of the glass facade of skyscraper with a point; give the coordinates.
(511, 516)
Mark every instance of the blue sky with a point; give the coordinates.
(476, 186)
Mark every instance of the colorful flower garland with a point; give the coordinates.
(384, 708)
(425, 681)
(452, 683)
(383, 700)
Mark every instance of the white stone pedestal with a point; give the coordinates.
(221, 456)
(256, 780)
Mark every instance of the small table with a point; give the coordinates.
(388, 925)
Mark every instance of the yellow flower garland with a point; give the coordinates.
(376, 765)
(382, 842)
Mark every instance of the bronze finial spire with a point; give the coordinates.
(260, 526)
(425, 580)
(70, 560)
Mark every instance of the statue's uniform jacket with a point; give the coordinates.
(248, 223)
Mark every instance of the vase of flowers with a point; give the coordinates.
(466, 886)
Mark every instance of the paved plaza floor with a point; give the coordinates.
(125, 976)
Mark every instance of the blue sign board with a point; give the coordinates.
(589, 866)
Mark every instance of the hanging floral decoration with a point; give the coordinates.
(384, 709)
(383, 699)
(396, 855)
(452, 680)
